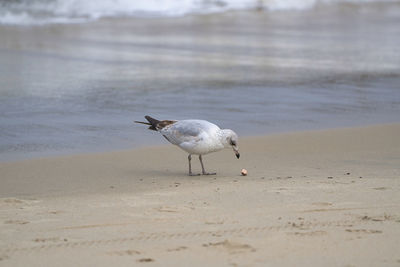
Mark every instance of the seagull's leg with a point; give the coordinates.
(202, 168)
(190, 166)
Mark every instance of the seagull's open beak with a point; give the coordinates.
(235, 149)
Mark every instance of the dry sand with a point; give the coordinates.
(325, 198)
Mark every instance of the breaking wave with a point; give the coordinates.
(28, 12)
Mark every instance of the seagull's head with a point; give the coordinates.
(230, 139)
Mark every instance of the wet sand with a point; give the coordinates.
(322, 198)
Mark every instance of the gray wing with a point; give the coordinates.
(183, 131)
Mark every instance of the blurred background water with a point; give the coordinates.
(75, 74)
(31, 12)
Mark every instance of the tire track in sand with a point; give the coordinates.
(165, 236)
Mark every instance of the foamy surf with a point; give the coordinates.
(32, 12)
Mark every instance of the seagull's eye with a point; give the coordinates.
(233, 143)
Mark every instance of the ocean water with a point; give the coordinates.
(28, 12)
(74, 75)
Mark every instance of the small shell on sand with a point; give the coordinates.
(244, 172)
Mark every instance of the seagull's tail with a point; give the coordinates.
(151, 121)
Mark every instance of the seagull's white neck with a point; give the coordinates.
(225, 136)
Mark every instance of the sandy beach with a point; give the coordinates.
(320, 198)
(82, 185)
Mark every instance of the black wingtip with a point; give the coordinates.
(153, 122)
(142, 122)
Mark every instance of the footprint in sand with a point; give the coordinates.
(19, 203)
(48, 239)
(14, 201)
(166, 209)
(21, 222)
(11, 201)
(169, 209)
(322, 203)
(231, 247)
(364, 231)
(128, 252)
(145, 260)
(55, 212)
(313, 233)
(177, 249)
(381, 218)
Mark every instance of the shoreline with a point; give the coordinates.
(181, 157)
(325, 197)
(160, 143)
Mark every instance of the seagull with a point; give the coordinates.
(196, 137)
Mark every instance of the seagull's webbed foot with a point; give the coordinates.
(194, 174)
(209, 173)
